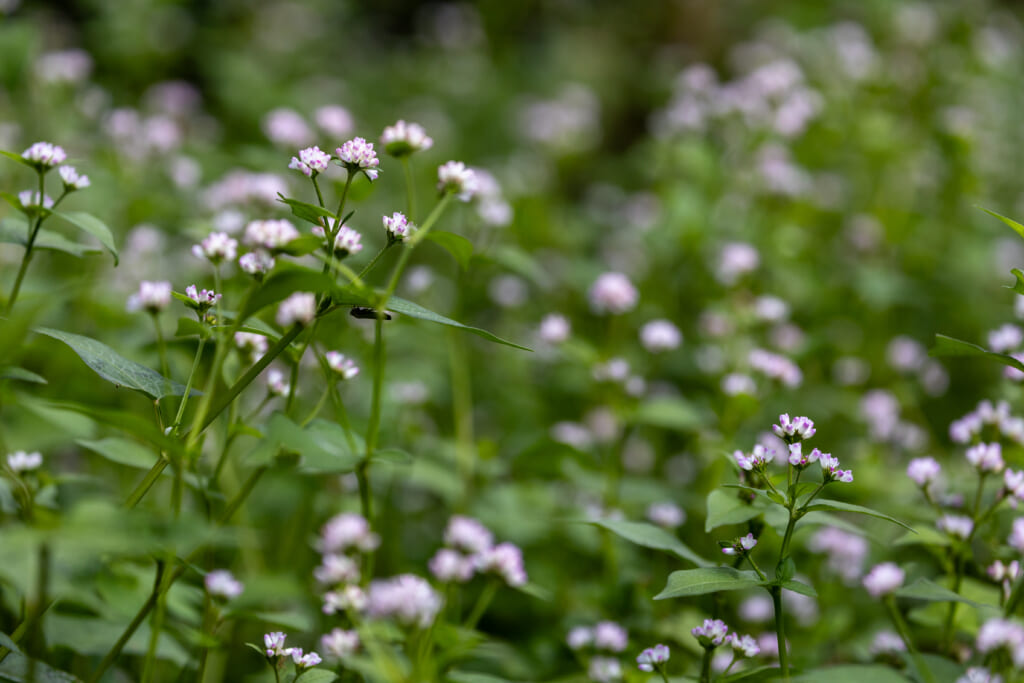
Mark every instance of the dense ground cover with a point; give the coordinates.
(620, 363)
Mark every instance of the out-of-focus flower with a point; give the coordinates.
(610, 636)
(407, 598)
(277, 383)
(604, 669)
(345, 531)
(358, 155)
(216, 248)
(554, 329)
(30, 199)
(846, 551)
(451, 565)
(270, 235)
(667, 515)
(336, 569)
(311, 162)
(736, 260)
(505, 560)
(660, 335)
(457, 178)
(297, 309)
(350, 597)
(1005, 338)
(468, 535)
(286, 127)
(883, 579)
(255, 344)
(342, 365)
(397, 227)
(334, 120)
(652, 658)
(304, 661)
(340, 644)
(72, 179)
(924, 471)
(887, 642)
(613, 293)
(977, 674)
(44, 155)
(220, 583)
(152, 297)
(21, 461)
(958, 526)
(999, 633)
(402, 139)
(775, 366)
(62, 66)
(986, 457)
(256, 263)
(579, 637)
(743, 646)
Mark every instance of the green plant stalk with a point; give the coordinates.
(780, 630)
(207, 628)
(38, 609)
(294, 379)
(26, 257)
(411, 243)
(373, 428)
(901, 628)
(156, 626)
(664, 676)
(188, 387)
(332, 229)
(705, 665)
(376, 257)
(960, 561)
(462, 409)
(159, 587)
(147, 482)
(482, 603)
(318, 407)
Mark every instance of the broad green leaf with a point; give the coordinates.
(948, 346)
(459, 676)
(669, 413)
(924, 589)
(766, 672)
(851, 673)
(92, 225)
(15, 667)
(924, 536)
(321, 445)
(17, 157)
(650, 536)
(282, 284)
(131, 423)
(121, 451)
(822, 504)
(800, 587)
(15, 231)
(689, 582)
(13, 372)
(116, 369)
(458, 246)
(413, 310)
(318, 676)
(1017, 227)
(727, 508)
(305, 211)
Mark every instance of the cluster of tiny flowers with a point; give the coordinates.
(407, 598)
(741, 546)
(297, 309)
(604, 635)
(404, 138)
(743, 646)
(957, 526)
(830, 469)
(977, 674)
(883, 579)
(666, 515)
(846, 551)
(256, 263)
(1016, 539)
(255, 344)
(653, 658)
(1013, 486)
(270, 234)
(20, 461)
(793, 430)
(660, 335)
(44, 155)
(613, 293)
(32, 199)
(997, 634)
(72, 179)
(152, 297)
(1005, 575)
(340, 644)
(273, 645)
(924, 471)
(216, 248)
(277, 383)
(397, 226)
(457, 178)
(357, 155)
(202, 298)
(220, 583)
(797, 457)
(757, 460)
(346, 242)
(1005, 338)
(775, 366)
(347, 531)
(604, 669)
(887, 642)
(554, 329)
(344, 533)
(970, 427)
(470, 548)
(711, 633)
(310, 162)
(986, 457)
(345, 367)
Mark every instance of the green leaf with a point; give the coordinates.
(800, 587)
(317, 676)
(92, 225)
(689, 582)
(726, 508)
(190, 327)
(924, 536)
(669, 413)
(851, 673)
(282, 284)
(458, 246)
(121, 451)
(310, 213)
(116, 369)
(822, 504)
(321, 445)
(413, 310)
(1017, 227)
(650, 536)
(300, 246)
(459, 676)
(923, 589)
(1017, 286)
(521, 262)
(948, 346)
(17, 157)
(12, 372)
(15, 666)
(14, 230)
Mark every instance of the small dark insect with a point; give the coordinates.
(366, 313)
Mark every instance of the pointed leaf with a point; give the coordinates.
(923, 589)
(300, 246)
(800, 587)
(851, 673)
(1017, 227)
(706, 580)
(310, 213)
(17, 157)
(413, 310)
(948, 346)
(1017, 286)
(12, 372)
(92, 225)
(822, 504)
(121, 451)
(727, 508)
(650, 536)
(458, 246)
(282, 284)
(116, 369)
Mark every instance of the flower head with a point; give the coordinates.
(744, 646)
(202, 299)
(272, 235)
(667, 515)
(256, 263)
(883, 579)
(579, 637)
(273, 642)
(216, 248)
(397, 227)
(340, 644)
(924, 471)
(660, 335)
(652, 658)
(797, 457)
(20, 461)
(957, 526)
(409, 599)
(44, 155)
(610, 636)
(793, 430)
(310, 162)
(357, 155)
(152, 297)
(220, 583)
(604, 669)
(468, 535)
(345, 531)
(342, 365)
(298, 309)
(336, 569)
(402, 139)
(451, 565)
(304, 661)
(457, 178)
(986, 457)
(830, 469)
(505, 560)
(350, 597)
(757, 460)
(740, 546)
(72, 180)
(613, 293)
(554, 329)
(711, 633)
(30, 200)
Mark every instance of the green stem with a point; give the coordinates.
(29, 244)
(294, 379)
(482, 603)
(760, 574)
(376, 257)
(780, 630)
(901, 627)
(207, 629)
(411, 243)
(319, 195)
(147, 482)
(37, 610)
(319, 406)
(705, 666)
(156, 626)
(373, 428)
(188, 387)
